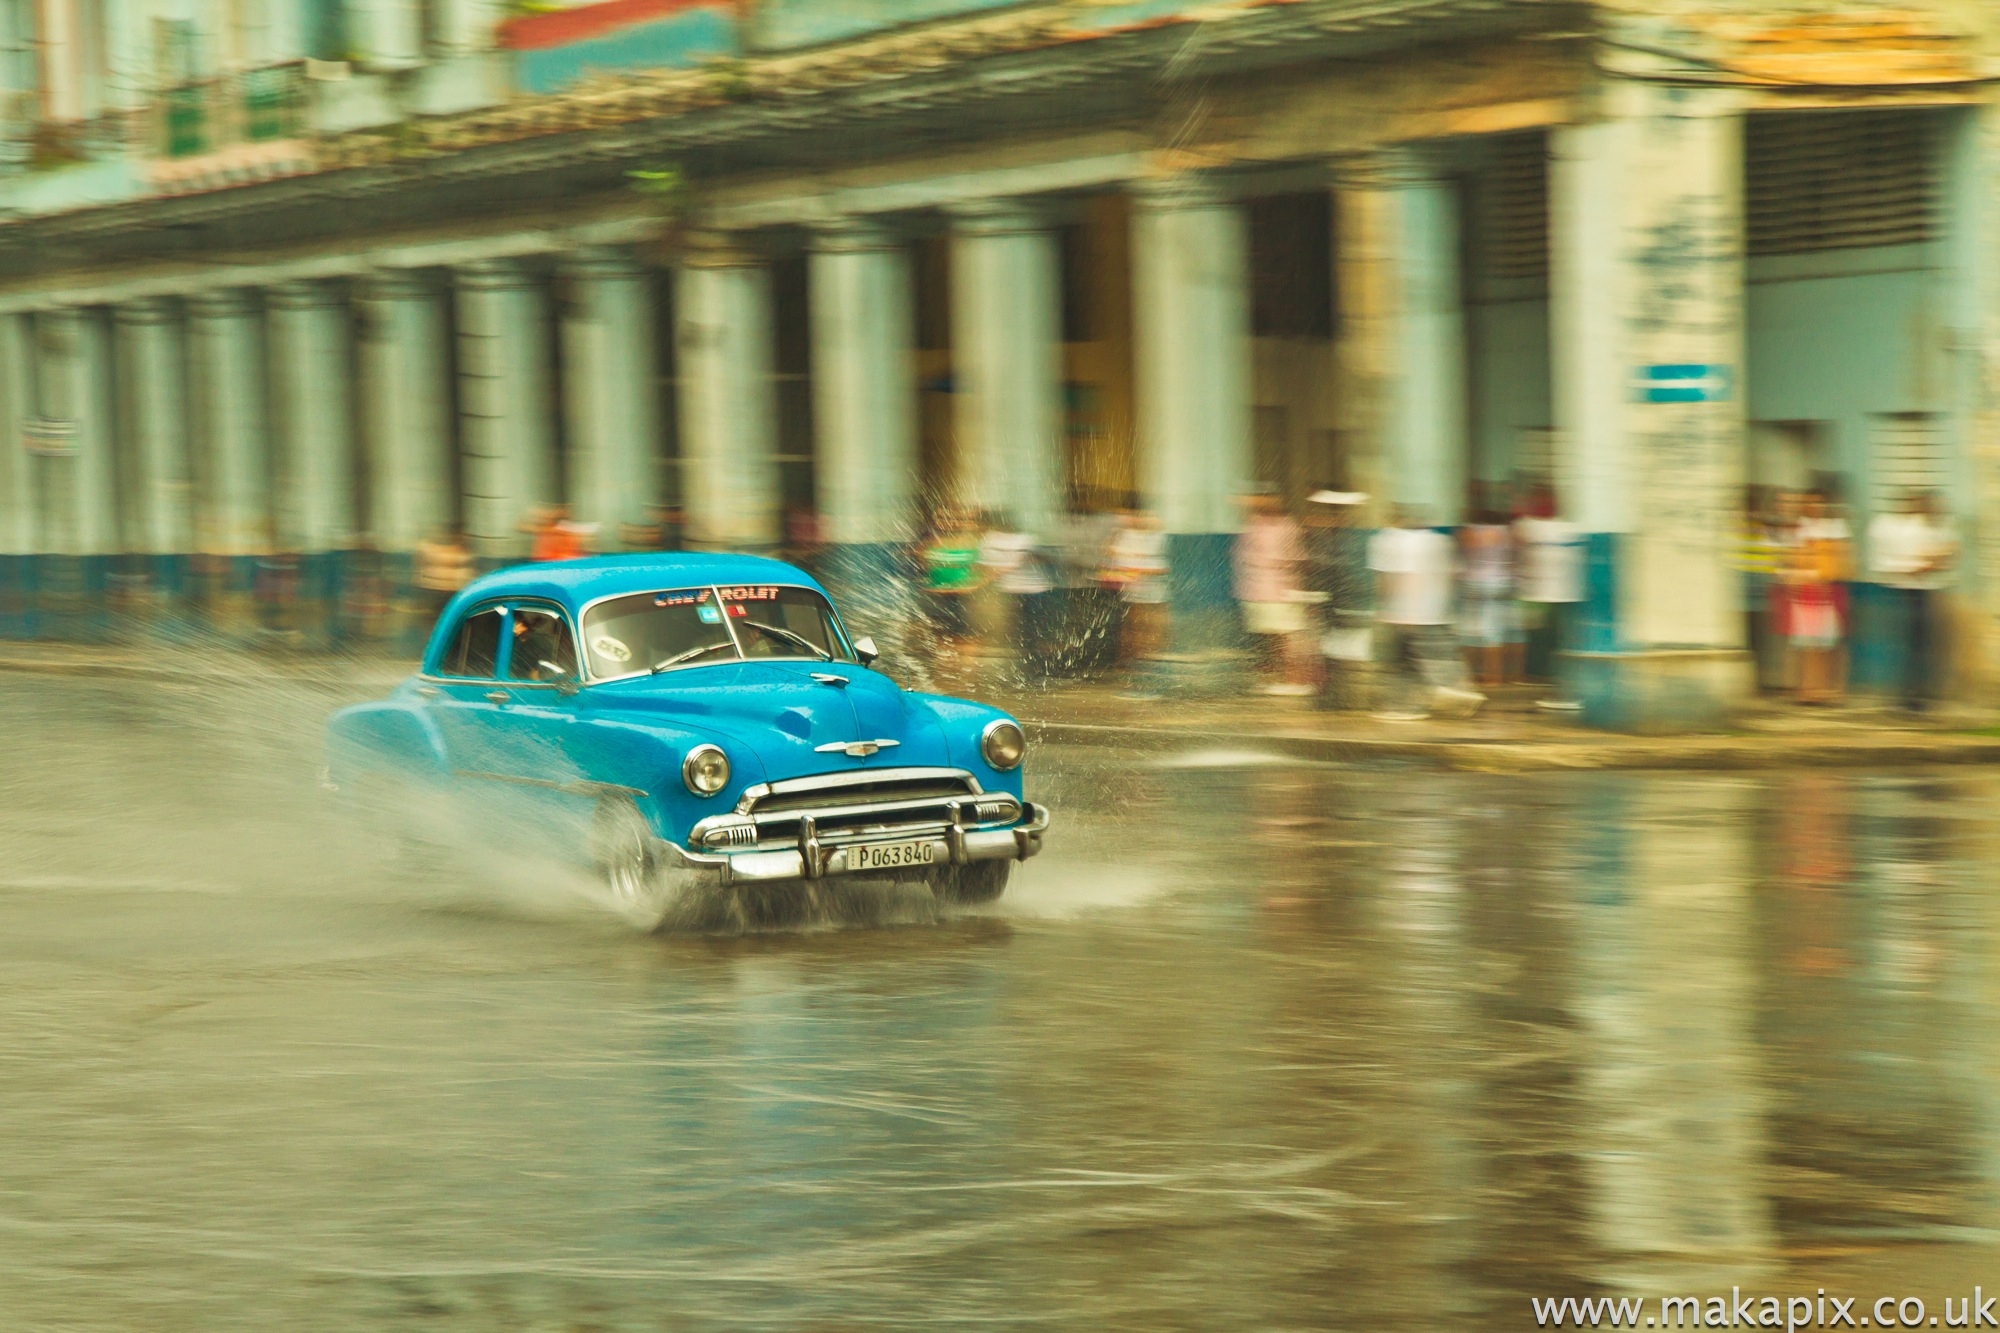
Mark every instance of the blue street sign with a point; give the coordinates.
(1683, 384)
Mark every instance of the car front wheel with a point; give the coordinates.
(642, 891)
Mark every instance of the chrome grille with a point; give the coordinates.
(886, 792)
(862, 806)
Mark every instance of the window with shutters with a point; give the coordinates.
(1835, 180)
(1908, 450)
(1509, 199)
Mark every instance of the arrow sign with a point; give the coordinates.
(1682, 384)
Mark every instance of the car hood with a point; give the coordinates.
(782, 713)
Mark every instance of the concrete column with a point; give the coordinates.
(1191, 311)
(611, 393)
(1646, 306)
(726, 344)
(387, 34)
(226, 335)
(864, 408)
(1007, 363)
(1426, 436)
(310, 377)
(75, 479)
(1970, 300)
(504, 403)
(17, 497)
(151, 352)
(72, 473)
(405, 402)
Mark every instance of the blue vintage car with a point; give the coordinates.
(688, 723)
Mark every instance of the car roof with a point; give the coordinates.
(574, 584)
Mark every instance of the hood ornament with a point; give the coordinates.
(828, 678)
(855, 749)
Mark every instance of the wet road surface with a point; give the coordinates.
(1254, 1045)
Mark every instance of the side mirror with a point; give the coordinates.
(864, 648)
(565, 682)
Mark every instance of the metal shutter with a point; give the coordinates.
(1908, 455)
(1836, 180)
(1510, 204)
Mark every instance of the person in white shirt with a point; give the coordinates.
(1136, 564)
(1022, 570)
(1413, 568)
(1911, 554)
(1550, 587)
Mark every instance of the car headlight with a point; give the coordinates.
(1003, 744)
(705, 770)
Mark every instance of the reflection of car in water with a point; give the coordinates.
(692, 722)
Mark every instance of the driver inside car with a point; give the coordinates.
(541, 648)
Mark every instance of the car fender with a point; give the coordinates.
(643, 757)
(391, 736)
(963, 721)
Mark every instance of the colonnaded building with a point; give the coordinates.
(325, 277)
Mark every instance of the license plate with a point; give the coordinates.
(890, 855)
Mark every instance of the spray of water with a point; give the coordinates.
(197, 770)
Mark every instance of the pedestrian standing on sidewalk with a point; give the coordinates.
(1784, 536)
(1336, 575)
(1757, 565)
(1413, 568)
(951, 576)
(1020, 569)
(1551, 587)
(1137, 564)
(444, 565)
(1268, 557)
(1487, 620)
(553, 535)
(1818, 564)
(1911, 554)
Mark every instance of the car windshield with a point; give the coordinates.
(662, 631)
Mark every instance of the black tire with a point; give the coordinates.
(974, 882)
(641, 890)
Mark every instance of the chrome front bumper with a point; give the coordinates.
(815, 859)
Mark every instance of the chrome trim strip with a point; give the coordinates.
(944, 804)
(853, 778)
(856, 749)
(788, 863)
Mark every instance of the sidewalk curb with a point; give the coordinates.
(1710, 753)
(1882, 749)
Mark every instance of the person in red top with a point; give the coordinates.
(555, 537)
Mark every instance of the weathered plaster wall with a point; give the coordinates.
(1507, 341)
(1841, 336)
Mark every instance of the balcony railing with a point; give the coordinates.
(253, 106)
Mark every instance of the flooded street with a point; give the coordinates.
(1253, 1045)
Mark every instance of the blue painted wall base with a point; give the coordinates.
(1200, 598)
(1658, 692)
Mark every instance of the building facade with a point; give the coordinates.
(323, 278)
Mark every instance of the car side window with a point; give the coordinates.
(543, 649)
(475, 651)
